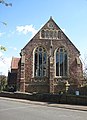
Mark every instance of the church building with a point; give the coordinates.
(49, 62)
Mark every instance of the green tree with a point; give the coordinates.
(3, 82)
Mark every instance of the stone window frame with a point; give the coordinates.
(51, 25)
(46, 72)
(58, 35)
(62, 76)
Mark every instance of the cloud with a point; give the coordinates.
(14, 48)
(1, 34)
(5, 64)
(26, 29)
(1, 53)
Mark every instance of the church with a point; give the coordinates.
(49, 63)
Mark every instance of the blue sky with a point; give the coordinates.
(26, 17)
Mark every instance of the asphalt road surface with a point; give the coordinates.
(12, 110)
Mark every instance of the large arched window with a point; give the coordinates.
(61, 62)
(40, 62)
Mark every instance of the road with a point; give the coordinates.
(12, 110)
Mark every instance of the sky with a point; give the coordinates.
(26, 17)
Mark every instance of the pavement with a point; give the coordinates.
(64, 106)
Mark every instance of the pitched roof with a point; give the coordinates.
(55, 27)
(14, 63)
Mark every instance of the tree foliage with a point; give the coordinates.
(5, 3)
(2, 48)
(4, 23)
(85, 70)
(3, 82)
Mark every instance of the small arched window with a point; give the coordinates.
(61, 62)
(43, 34)
(40, 62)
(59, 34)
